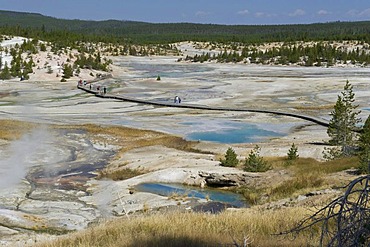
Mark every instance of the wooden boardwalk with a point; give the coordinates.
(318, 121)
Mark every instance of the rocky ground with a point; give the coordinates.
(53, 187)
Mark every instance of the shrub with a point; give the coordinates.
(230, 158)
(256, 163)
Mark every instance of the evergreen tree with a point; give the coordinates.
(16, 62)
(343, 123)
(230, 158)
(256, 163)
(42, 47)
(364, 145)
(5, 72)
(67, 71)
(292, 154)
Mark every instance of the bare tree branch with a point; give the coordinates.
(346, 220)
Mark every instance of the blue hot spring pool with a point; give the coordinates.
(163, 189)
(230, 132)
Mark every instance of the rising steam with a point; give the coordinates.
(21, 155)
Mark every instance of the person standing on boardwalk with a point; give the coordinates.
(176, 100)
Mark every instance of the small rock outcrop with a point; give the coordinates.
(225, 180)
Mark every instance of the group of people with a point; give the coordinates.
(82, 83)
(99, 89)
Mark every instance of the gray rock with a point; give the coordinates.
(225, 179)
(301, 198)
(322, 192)
(7, 231)
(220, 180)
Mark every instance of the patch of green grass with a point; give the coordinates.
(309, 165)
(8, 103)
(306, 174)
(252, 195)
(299, 183)
(287, 188)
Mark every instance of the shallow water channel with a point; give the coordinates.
(163, 189)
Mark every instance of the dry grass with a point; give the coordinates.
(13, 129)
(193, 229)
(120, 174)
(178, 197)
(130, 138)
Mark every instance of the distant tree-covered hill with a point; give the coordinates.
(18, 23)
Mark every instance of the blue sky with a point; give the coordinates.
(199, 11)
